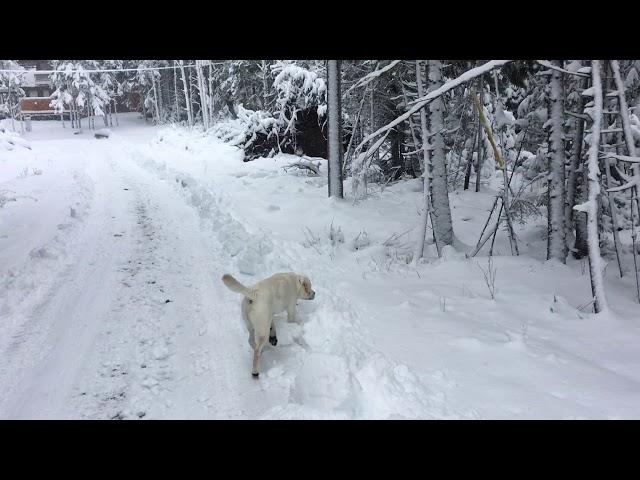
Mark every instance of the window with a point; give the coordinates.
(41, 78)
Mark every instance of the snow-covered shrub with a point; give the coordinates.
(360, 241)
(398, 248)
(256, 132)
(364, 172)
(300, 99)
(297, 89)
(489, 276)
(335, 235)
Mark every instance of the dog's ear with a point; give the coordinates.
(306, 284)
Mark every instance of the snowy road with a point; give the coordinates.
(136, 326)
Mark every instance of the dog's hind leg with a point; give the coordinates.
(245, 308)
(273, 337)
(260, 340)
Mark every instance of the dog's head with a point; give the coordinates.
(304, 288)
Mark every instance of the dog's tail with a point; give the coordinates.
(235, 286)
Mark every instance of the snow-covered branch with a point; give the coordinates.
(426, 99)
(622, 158)
(550, 65)
(371, 76)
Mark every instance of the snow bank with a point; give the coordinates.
(10, 140)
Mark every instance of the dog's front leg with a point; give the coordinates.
(291, 312)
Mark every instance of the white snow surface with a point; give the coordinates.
(111, 304)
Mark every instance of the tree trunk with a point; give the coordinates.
(193, 80)
(115, 111)
(187, 100)
(376, 154)
(210, 90)
(334, 129)
(143, 100)
(426, 176)
(581, 245)
(204, 102)
(576, 163)
(155, 98)
(13, 125)
(265, 85)
(481, 149)
(476, 139)
(595, 261)
(175, 91)
(556, 245)
(439, 193)
(160, 100)
(613, 210)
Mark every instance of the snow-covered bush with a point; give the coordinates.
(300, 97)
(256, 132)
(297, 89)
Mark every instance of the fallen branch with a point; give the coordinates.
(305, 165)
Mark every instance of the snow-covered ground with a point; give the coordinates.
(111, 304)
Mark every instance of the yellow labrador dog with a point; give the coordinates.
(265, 299)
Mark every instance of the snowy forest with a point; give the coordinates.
(408, 178)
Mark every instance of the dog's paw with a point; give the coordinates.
(273, 341)
(255, 375)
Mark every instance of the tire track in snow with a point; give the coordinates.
(186, 356)
(44, 361)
